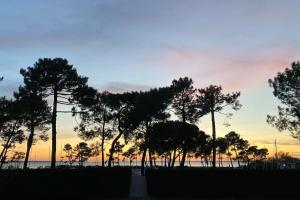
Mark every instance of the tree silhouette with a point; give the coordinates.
(82, 152)
(121, 105)
(118, 149)
(68, 149)
(10, 127)
(222, 146)
(96, 119)
(150, 107)
(167, 138)
(56, 78)
(16, 158)
(212, 100)
(286, 87)
(204, 149)
(35, 114)
(237, 144)
(131, 154)
(183, 101)
(184, 104)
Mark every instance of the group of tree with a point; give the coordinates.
(138, 119)
(80, 153)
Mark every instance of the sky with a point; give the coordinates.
(139, 44)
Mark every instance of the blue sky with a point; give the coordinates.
(137, 44)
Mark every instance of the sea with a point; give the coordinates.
(46, 164)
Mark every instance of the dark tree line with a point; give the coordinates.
(160, 123)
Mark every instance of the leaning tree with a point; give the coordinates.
(11, 131)
(212, 100)
(57, 79)
(286, 87)
(121, 105)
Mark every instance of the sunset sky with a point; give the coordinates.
(138, 44)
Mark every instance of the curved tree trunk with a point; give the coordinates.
(112, 149)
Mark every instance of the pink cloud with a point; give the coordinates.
(235, 71)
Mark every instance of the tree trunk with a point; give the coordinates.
(29, 145)
(154, 161)
(54, 116)
(3, 157)
(112, 149)
(237, 157)
(5, 147)
(102, 150)
(150, 159)
(174, 158)
(169, 159)
(143, 160)
(184, 152)
(230, 158)
(213, 137)
(222, 161)
(102, 141)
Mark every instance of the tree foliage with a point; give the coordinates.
(286, 87)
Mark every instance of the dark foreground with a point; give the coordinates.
(65, 183)
(220, 183)
(104, 183)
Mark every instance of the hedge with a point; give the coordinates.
(65, 183)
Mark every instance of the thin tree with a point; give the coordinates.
(36, 115)
(212, 100)
(58, 79)
(96, 120)
(286, 87)
(68, 149)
